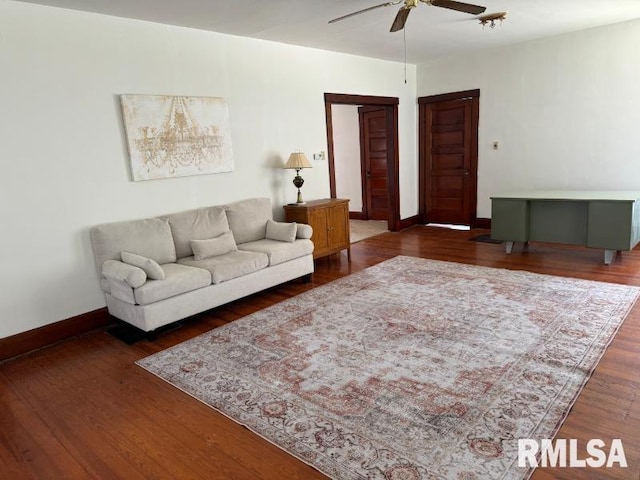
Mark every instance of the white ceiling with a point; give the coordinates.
(430, 31)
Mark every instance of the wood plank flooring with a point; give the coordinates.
(83, 409)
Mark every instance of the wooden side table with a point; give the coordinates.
(329, 219)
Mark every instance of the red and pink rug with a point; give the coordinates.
(411, 369)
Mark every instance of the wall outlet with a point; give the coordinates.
(319, 156)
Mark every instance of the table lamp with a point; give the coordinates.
(298, 161)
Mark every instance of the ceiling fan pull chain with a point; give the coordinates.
(404, 32)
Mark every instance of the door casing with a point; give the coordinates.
(391, 106)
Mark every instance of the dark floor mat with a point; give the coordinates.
(485, 239)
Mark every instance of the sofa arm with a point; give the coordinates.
(304, 231)
(117, 271)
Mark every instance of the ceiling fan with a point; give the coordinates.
(403, 13)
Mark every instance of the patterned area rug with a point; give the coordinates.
(411, 369)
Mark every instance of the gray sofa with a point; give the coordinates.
(158, 270)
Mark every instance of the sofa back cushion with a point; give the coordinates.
(248, 219)
(198, 224)
(150, 238)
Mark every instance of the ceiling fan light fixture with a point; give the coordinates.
(491, 19)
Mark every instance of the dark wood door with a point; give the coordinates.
(448, 158)
(374, 148)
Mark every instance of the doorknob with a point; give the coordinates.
(368, 174)
(467, 172)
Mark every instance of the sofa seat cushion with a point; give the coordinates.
(277, 251)
(230, 265)
(178, 279)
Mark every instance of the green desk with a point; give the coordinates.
(607, 220)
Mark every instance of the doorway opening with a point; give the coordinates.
(377, 151)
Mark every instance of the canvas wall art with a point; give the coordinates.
(171, 136)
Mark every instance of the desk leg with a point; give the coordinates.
(508, 246)
(609, 256)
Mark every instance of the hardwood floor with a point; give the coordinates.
(83, 409)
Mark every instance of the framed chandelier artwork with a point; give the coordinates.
(171, 136)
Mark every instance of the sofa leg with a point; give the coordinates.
(126, 332)
(151, 336)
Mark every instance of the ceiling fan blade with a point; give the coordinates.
(385, 4)
(400, 20)
(459, 6)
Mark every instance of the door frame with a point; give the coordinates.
(391, 106)
(423, 157)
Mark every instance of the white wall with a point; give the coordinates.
(564, 110)
(346, 153)
(63, 151)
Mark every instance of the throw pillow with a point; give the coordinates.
(132, 276)
(150, 267)
(212, 247)
(282, 231)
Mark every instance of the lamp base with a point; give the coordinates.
(298, 181)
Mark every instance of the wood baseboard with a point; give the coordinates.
(356, 216)
(482, 223)
(408, 222)
(41, 337)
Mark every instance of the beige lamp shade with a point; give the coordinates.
(298, 160)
